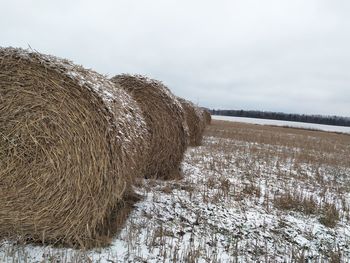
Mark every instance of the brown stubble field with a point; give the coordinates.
(249, 193)
(305, 161)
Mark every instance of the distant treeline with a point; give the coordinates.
(319, 119)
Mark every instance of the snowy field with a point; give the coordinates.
(249, 194)
(284, 123)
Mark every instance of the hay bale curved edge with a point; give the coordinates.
(70, 142)
(194, 122)
(207, 116)
(166, 121)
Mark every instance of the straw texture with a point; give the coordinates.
(194, 122)
(166, 121)
(70, 141)
(207, 116)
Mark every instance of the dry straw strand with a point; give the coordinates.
(70, 142)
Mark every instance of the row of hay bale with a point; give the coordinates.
(73, 142)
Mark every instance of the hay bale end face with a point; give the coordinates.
(194, 122)
(70, 142)
(165, 119)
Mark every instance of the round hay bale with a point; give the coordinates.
(207, 116)
(203, 116)
(70, 145)
(166, 121)
(194, 122)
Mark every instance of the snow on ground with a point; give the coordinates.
(294, 124)
(229, 207)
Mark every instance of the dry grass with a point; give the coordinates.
(166, 122)
(317, 162)
(70, 147)
(330, 215)
(314, 147)
(296, 202)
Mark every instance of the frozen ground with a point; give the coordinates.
(284, 123)
(249, 194)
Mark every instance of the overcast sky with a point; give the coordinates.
(275, 55)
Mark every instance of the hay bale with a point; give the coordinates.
(194, 122)
(207, 116)
(165, 119)
(70, 144)
(204, 116)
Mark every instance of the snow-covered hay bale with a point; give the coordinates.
(165, 118)
(70, 145)
(193, 117)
